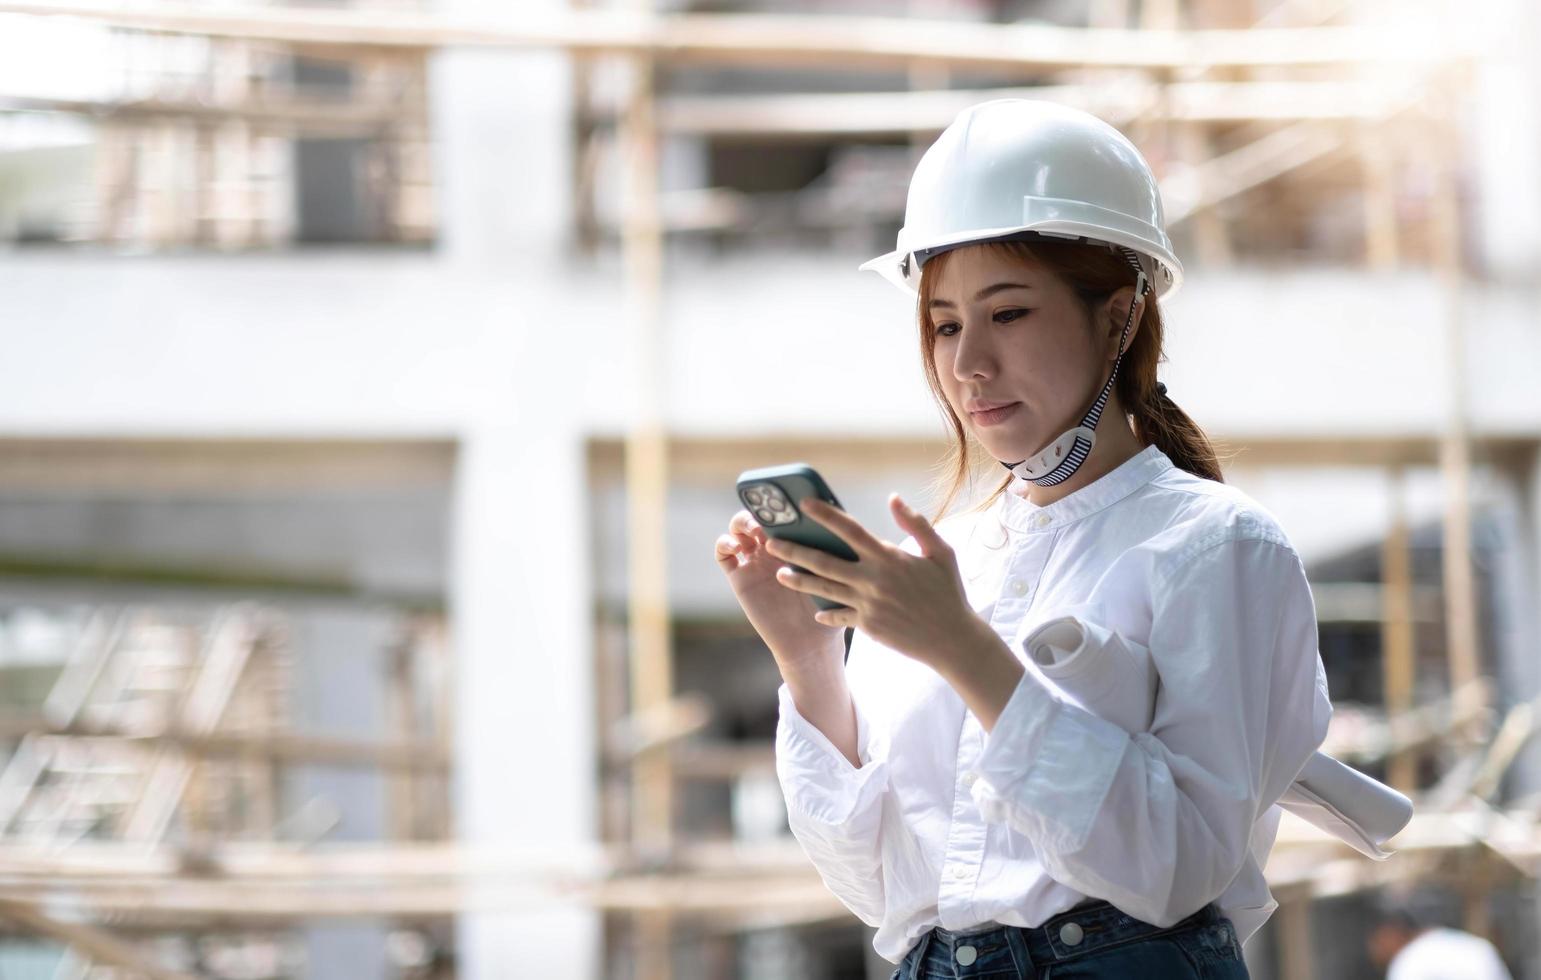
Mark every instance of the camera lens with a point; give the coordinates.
(753, 496)
(764, 516)
(776, 503)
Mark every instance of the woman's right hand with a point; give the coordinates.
(781, 615)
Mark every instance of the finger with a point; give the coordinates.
(744, 523)
(815, 585)
(835, 617)
(930, 541)
(728, 548)
(846, 527)
(747, 544)
(820, 562)
(741, 522)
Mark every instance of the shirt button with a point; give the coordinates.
(1071, 934)
(969, 777)
(1042, 520)
(959, 871)
(967, 955)
(1018, 586)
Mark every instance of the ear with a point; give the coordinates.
(1117, 312)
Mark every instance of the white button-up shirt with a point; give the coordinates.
(944, 824)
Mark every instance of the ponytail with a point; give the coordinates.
(1159, 422)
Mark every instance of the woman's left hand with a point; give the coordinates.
(914, 604)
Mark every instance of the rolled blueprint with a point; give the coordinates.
(1116, 679)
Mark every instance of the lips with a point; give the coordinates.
(974, 406)
(995, 416)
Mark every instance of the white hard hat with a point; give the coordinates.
(1009, 166)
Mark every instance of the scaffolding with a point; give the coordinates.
(1285, 108)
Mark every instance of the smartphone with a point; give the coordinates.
(771, 494)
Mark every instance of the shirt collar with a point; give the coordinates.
(1136, 471)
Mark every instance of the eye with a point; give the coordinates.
(1003, 316)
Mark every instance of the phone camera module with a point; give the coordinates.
(770, 505)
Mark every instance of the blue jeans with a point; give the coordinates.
(1093, 941)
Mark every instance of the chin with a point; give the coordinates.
(1013, 448)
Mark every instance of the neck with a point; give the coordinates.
(1116, 444)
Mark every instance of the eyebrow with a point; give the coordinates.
(985, 292)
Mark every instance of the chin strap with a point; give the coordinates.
(1059, 460)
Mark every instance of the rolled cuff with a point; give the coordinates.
(1050, 762)
(817, 779)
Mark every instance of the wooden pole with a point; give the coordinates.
(1380, 216)
(788, 41)
(924, 76)
(1211, 236)
(647, 485)
(266, 699)
(1477, 881)
(1398, 663)
(402, 721)
(585, 144)
(1296, 953)
(646, 448)
(1455, 449)
(91, 942)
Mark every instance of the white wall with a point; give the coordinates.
(406, 345)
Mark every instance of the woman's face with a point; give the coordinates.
(1010, 331)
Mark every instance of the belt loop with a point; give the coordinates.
(920, 956)
(1021, 956)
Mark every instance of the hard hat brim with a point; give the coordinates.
(1169, 275)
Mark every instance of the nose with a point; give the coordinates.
(973, 355)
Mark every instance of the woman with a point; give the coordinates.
(948, 790)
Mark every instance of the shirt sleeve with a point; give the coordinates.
(833, 808)
(1159, 822)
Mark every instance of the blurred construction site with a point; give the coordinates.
(374, 375)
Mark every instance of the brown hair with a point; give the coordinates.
(1094, 273)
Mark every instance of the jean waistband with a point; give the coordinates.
(1088, 927)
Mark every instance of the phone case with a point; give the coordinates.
(796, 482)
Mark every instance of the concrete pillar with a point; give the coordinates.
(519, 596)
(522, 633)
(1506, 131)
(500, 123)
